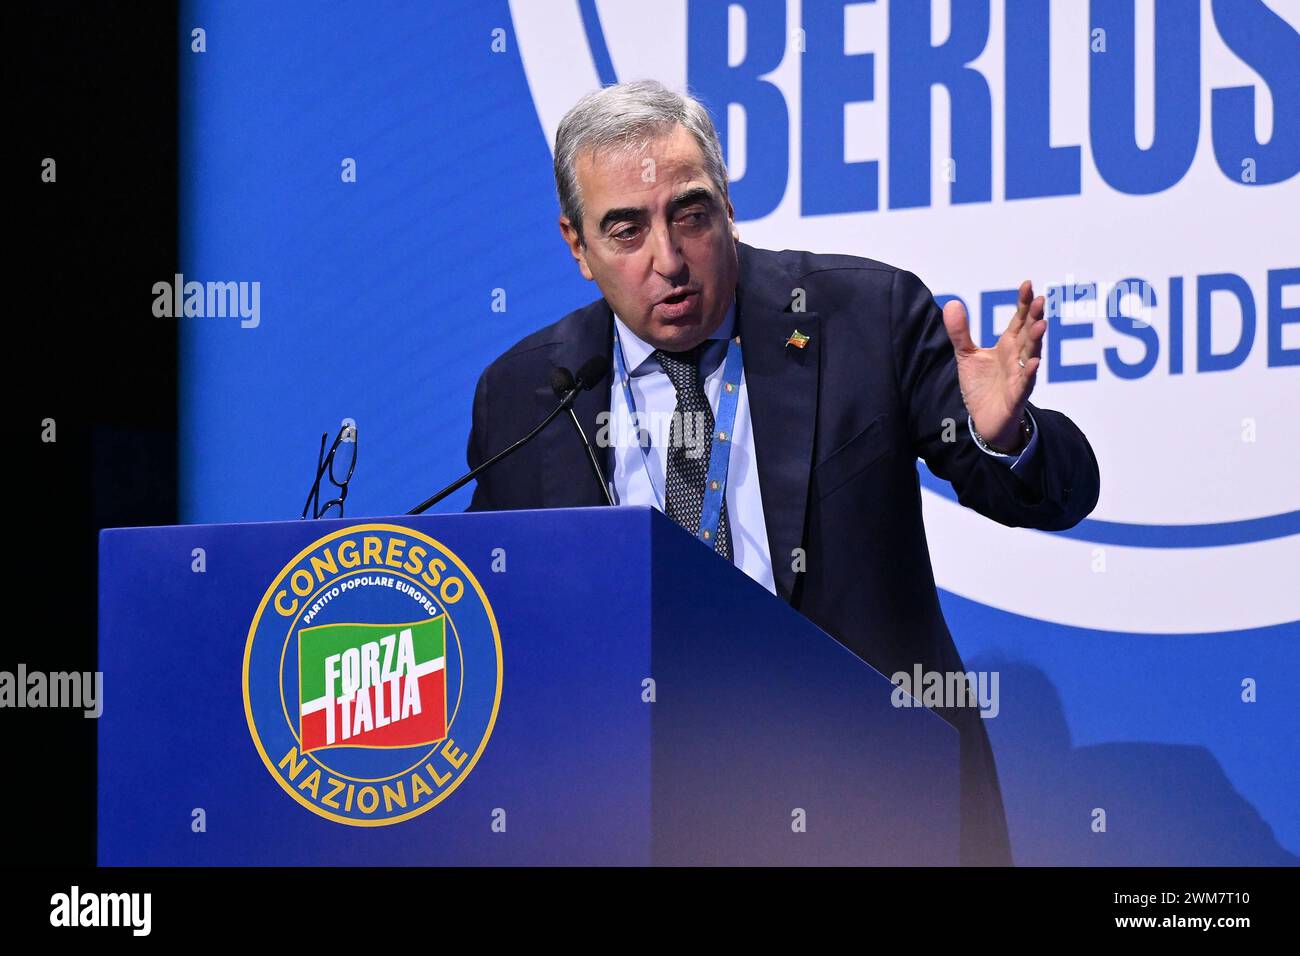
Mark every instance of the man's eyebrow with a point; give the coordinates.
(625, 214)
(693, 195)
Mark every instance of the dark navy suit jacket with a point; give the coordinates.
(838, 426)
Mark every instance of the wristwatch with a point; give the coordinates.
(1026, 429)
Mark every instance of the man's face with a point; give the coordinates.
(660, 240)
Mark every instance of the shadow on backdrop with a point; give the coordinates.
(1165, 804)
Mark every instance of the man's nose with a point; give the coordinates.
(667, 256)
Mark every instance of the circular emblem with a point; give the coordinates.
(372, 675)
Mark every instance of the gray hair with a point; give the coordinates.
(627, 116)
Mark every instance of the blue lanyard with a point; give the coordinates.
(715, 485)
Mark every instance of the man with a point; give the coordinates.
(850, 372)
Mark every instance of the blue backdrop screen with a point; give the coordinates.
(378, 178)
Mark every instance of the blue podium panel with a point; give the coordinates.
(586, 686)
(763, 720)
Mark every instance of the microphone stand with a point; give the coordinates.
(459, 482)
(591, 457)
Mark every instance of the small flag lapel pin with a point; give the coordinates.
(798, 340)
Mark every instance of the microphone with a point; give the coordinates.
(591, 372)
(561, 381)
(566, 386)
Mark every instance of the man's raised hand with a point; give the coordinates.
(996, 382)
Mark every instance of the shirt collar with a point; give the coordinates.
(639, 354)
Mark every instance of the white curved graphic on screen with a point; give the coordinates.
(556, 57)
(1112, 587)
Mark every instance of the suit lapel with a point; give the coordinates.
(567, 481)
(781, 383)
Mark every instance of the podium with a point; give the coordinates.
(562, 687)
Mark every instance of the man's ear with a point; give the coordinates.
(576, 247)
(731, 218)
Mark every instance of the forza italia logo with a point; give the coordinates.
(372, 675)
(362, 687)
